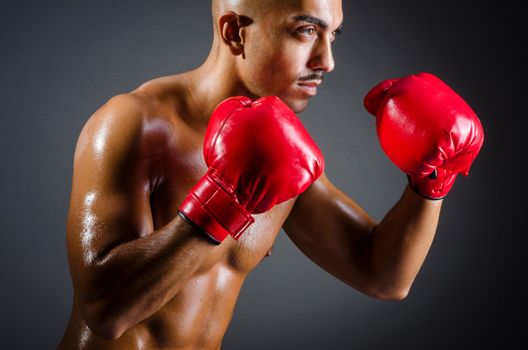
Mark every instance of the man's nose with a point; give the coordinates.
(322, 57)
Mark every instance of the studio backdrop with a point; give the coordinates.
(61, 60)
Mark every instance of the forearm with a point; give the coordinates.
(142, 275)
(400, 243)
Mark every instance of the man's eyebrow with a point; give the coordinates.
(311, 19)
(317, 21)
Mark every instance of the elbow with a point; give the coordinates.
(394, 294)
(388, 286)
(107, 332)
(104, 324)
(389, 292)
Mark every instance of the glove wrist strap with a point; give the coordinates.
(215, 210)
(434, 186)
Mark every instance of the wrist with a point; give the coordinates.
(216, 240)
(434, 186)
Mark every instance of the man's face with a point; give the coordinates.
(288, 49)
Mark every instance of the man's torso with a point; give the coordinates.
(198, 315)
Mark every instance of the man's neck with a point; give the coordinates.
(212, 82)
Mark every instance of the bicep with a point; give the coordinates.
(99, 220)
(109, 201)
(331, 229)
(323, 210)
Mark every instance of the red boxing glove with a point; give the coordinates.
(427, 130)
(258, 154)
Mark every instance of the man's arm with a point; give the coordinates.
(122, 270)
(432, 135)
(379, 259)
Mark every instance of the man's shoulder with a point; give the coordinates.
(120, 116)
(142, 120)
(125, 124)
(153, 99)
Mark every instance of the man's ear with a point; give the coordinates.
(231, 27)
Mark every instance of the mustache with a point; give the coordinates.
(313, 76)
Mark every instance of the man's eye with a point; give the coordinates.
(307, 31)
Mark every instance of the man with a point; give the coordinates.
(176, 197)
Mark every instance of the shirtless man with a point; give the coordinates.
(150, 272)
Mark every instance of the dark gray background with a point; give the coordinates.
(60, 60)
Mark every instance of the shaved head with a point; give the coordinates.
(249, 8)
(245, 7)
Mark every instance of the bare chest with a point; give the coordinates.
(180, 174)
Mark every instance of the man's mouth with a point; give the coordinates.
(309, 86)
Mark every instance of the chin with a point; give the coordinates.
(297, 105)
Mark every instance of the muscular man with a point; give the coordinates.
(177, 196)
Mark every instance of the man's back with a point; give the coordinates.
(135, 160)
